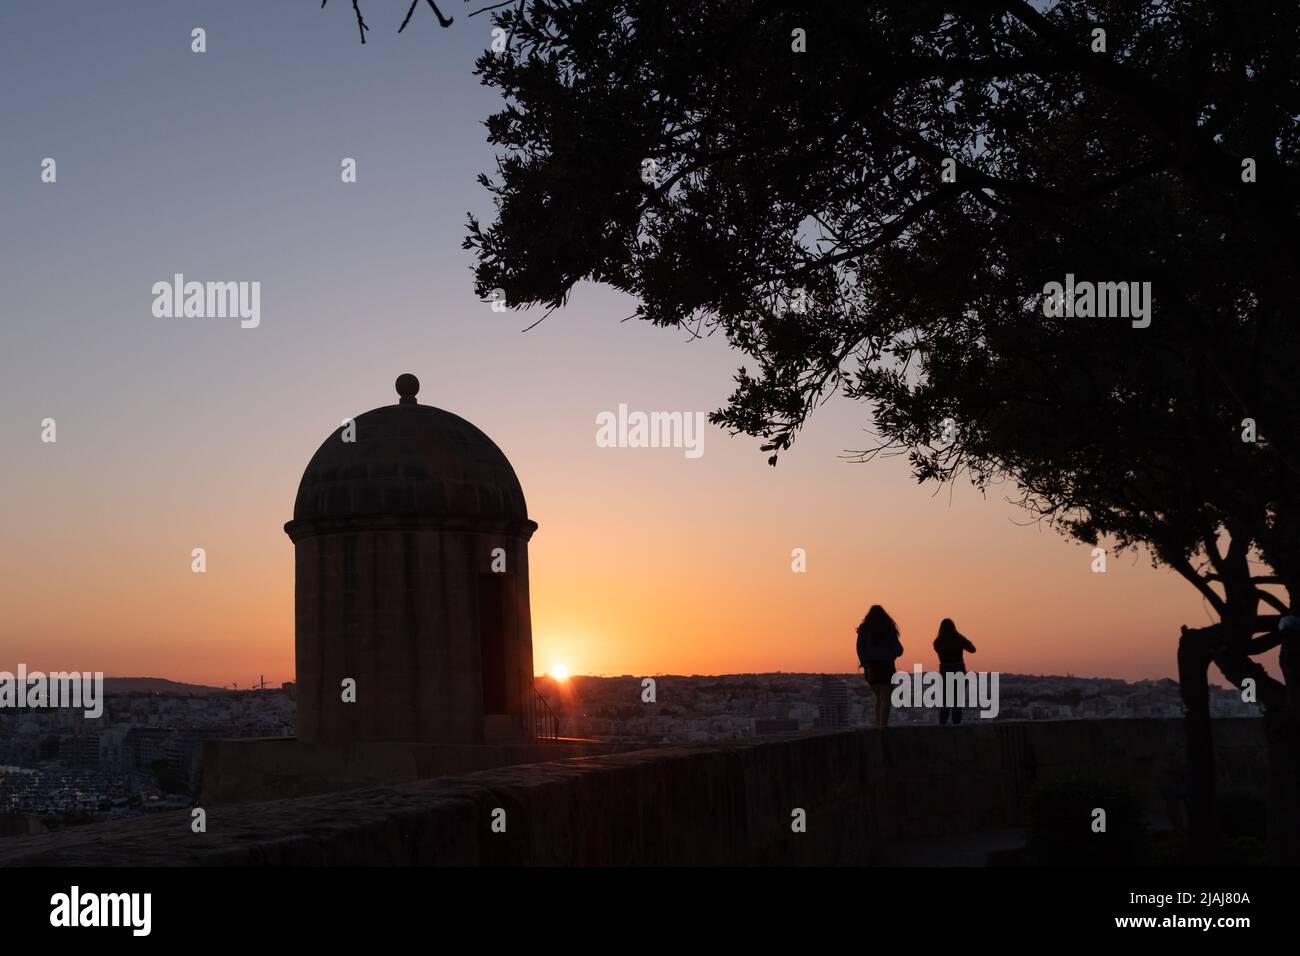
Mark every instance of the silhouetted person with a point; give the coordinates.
(878, 649)
(951, 646)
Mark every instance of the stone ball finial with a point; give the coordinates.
(408, 386)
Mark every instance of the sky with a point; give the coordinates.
(174, 434)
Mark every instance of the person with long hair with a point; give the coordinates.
(951, 646)
(878, 650)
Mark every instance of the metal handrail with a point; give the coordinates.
(545, 722)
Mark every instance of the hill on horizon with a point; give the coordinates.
(156, 685)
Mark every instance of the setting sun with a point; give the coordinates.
(560, 671)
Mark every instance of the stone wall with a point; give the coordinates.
(397, 611)
(267, 768)
(862, 791)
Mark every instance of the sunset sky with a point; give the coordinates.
(175, 434)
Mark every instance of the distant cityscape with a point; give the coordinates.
(59, 768)
(736, 706)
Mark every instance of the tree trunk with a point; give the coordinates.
(1281, 721)
(1282, 728)
(1194, 656)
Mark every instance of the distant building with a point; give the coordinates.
(112, 748)
(833, 703)
(144, 745)
(181, 751)
(774, 725)
(80, 749)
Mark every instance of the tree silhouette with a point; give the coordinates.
(362, 26)
(875, 197)
(443, 21)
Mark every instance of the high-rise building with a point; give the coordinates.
(833, 703)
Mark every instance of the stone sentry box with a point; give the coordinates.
(401, 522)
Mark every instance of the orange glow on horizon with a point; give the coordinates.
(179, 435)
(645, 562)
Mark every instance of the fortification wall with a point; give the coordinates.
(860, 790)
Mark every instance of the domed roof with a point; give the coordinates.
(409, 465)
